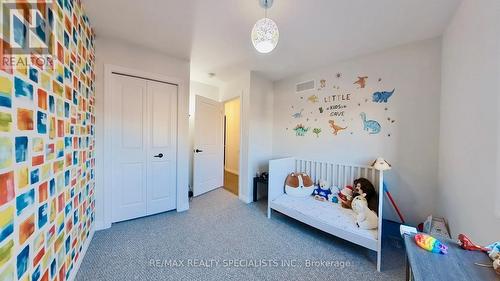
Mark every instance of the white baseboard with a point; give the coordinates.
(76, 267)
(245, 199)
(100, 225)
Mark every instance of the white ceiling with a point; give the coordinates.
(215, 34)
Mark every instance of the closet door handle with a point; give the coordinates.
(198, 150)
(159, 155)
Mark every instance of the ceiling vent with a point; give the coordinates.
(305, 86)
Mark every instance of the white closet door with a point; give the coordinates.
(162, 153)
(129, 168)
(144, 142)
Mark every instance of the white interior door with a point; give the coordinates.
(144, 125)
(208, 170)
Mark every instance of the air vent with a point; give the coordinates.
(304, 86)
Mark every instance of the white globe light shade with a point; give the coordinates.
(265, 35)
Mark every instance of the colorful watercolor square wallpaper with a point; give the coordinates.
(46, 143)
(5, 92)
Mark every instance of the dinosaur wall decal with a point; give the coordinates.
(300, 130)
(336, 128)
(313, 99)
(373, 127)
(361, 81)
(382, 96)
(298, 114)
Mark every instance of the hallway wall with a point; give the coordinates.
(232, 113)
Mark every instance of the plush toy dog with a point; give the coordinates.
(322, 192)
(299, 185)
(365, 218)
(345, 197)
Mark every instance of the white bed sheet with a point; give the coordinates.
(330, 213)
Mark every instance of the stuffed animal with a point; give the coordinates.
(334, 197)
(494, 254)
(363, 185)
(322, 192)
(345, 197)
(365, 218)
(494, 250)
(496, 266)
(299, 185)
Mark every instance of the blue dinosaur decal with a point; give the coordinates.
(382, 96)
(373, 127)
(298, 114)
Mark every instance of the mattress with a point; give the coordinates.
(326, 212)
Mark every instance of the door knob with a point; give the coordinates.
(198, 151)
(159, 155)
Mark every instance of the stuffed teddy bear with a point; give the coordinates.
(365, 218)
(322, 192)
(345, 196)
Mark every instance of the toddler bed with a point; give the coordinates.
(326, 216)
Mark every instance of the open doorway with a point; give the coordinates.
(231, 145)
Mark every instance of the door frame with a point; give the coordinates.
(107, 193)
(239, 145)
(240, 155)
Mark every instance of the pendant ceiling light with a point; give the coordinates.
(265, 34)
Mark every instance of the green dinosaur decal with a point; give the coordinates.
(300, 130)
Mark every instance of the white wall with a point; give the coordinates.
(239, 86)
(256, 98)
(138, 58)
(261, 127)
(204, 90)
(470, 127)
(232, 149)
(412, 147)
(236, 87)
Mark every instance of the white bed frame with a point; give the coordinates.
(335, 174)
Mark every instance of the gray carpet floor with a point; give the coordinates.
(221, 238)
